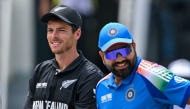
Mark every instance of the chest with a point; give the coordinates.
(56, 87)
(127, 96)
(134, 95)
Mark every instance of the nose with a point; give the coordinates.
(119, 57)
(54, 34)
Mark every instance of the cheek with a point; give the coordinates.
(48, 37)
(107, 62)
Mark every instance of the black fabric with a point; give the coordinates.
(65, 13)
(60, 91)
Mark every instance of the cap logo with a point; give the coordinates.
(59, 8)
(113, 32)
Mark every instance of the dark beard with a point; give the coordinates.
(123, 72)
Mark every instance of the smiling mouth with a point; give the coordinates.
(55, 43)
(120, 64)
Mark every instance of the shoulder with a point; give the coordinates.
(87, 67)
(155, 74)
(88, 73)
(44, 65)
(91, 68)
(104, 79)
(151, 69)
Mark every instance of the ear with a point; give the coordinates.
(102, 56)
(134, 45)
(78, 34)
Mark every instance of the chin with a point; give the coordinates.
(55, 51)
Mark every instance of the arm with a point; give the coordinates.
(31, 89)
(29, 101)
(86, 92)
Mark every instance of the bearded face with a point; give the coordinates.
(120, 59)
(123, 68)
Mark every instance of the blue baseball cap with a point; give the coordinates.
(113, 33)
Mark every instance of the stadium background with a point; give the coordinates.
(161, 29)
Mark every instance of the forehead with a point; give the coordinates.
(116, 46)
(57, 24)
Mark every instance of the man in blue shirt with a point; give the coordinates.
(135, 83)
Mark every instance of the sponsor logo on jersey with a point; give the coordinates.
(179, 79)
(41, 85)
(67, 83)
(106, 98)
(130, 94)
(49, 105)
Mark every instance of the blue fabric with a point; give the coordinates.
(113, 33)
(141, 89)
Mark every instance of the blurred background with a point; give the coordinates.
(161, 29)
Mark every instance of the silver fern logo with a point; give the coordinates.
(67, 83)
(59, 8)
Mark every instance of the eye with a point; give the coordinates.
(61, 30)
(49, 30)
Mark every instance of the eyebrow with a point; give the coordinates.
(57, 28)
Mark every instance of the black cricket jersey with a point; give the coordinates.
(72, 88)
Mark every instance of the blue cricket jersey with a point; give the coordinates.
(149, 86)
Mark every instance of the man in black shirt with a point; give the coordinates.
(69, 80)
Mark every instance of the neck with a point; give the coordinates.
(66, 58)
(118, 80)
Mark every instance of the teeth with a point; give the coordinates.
(121, 64)
(55, 43)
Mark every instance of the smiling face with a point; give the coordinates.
(121, 66)
(60, 36)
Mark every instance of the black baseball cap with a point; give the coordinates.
(66, 13)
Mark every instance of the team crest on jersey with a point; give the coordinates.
(130, 94)
(113, 32)
(67, 83)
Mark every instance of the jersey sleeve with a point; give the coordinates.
(28, 103)
(178, 90)
(163, 85)
(31, 89)
(86, 90)
(98, 102)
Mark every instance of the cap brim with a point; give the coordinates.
(46, 17)
(114, 41)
